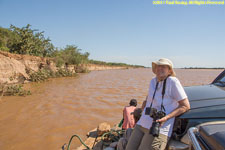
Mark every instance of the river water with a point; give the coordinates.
(61, 107)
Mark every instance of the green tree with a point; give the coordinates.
(7, 37)
(70, 55)
(30, 42)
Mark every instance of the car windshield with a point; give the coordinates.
(221, 81)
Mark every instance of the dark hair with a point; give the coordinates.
(133, 102)
(137, 114)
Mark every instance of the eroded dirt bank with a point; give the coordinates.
(15, 68)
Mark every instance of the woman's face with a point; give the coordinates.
(162, 71)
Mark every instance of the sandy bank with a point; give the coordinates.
(14, 67)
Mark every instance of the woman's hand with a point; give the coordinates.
(182, 108)
(162, 120)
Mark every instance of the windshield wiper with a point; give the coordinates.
(220, 82)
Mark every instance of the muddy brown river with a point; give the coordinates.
(61, 107)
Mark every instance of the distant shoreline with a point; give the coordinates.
(200, 68)
(195, 68)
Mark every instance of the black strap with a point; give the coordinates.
(163, 93)
(154, 93)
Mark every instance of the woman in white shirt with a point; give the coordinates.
(166, 94)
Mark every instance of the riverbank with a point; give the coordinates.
(15, 68)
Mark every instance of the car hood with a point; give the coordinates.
(205, 95)
(206, 101)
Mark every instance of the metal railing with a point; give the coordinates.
(193, 139)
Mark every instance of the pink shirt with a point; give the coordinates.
(129, 121)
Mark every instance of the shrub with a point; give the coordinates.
(15, 90)
(44, 74)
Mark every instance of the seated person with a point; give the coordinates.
(137, 114)
(128, 116)
(121, 145)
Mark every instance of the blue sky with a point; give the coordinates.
(129, 31)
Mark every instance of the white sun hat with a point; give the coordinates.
(163, 61)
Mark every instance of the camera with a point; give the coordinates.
(154, 130)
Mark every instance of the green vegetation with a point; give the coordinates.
(13, 90)
(70, 55)
(27, 41)
(44, 74)
(32, 42)
(40, 75)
